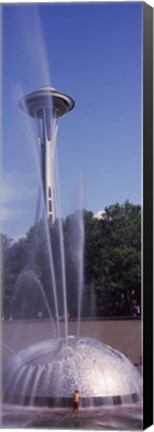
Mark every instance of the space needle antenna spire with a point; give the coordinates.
(46, 105)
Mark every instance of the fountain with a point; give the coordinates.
(47, 373)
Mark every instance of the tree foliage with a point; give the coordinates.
(110, 260)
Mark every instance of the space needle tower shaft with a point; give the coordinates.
(46, 105)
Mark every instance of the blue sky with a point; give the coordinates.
(92, 52)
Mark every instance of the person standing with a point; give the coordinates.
(76, 402)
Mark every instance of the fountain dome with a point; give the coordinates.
(55, 368)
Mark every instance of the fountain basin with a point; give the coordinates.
(49, 372)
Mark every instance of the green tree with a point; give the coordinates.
(121, 256)
(111, 262)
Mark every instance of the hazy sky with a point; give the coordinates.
(92, 52)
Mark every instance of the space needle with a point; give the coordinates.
(46, 105)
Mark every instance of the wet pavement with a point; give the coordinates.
(109, 418)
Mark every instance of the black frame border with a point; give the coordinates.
(147, 215)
